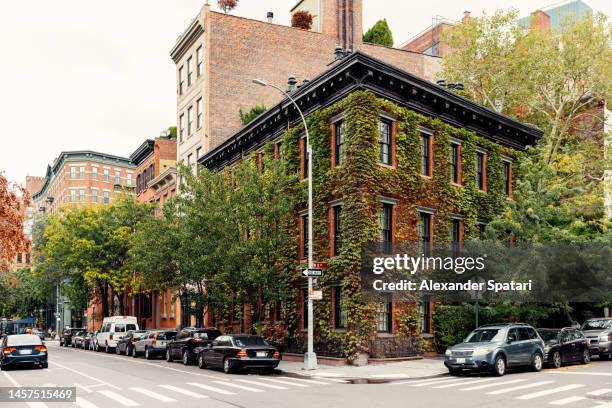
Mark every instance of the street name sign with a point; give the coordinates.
(312, 272)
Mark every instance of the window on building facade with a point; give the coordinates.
(339, 142)
(200, 60)
(480, 170)
(339, 310)
(181, 81)
(455, 235)
(151, 173)
(73, 196)
(305, 235)
(384, 130)
(19, 258)
(386, 226)
(82, 195)
(425, 154)
(305, 308)
(425, 233)
(200, 113)
(482, 227)
(106, 174)
(181, 127)
(337, 232)
(94, 195)
(454, 163)
(106, 197)
(425, 314)
(81, 172)
(189, 121)
(128, 180)
(94, 173)
(384, 317)
(27, 257)
(189, 71)
(73, 173)
(117, 177)
(198, 153)
(507, 178)
(189, 160)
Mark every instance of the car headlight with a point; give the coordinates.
(483, 350)
(448, 352)
(603, 337)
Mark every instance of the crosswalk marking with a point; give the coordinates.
(465, 382)
(428, 380)
(436, 382)
(599, 392)
(242, 387)
(287, 383)
(183, 391)
(480, 387)
(303, 380)
(153, 395)
(567, 400)
(126, 402)
(550, 391)
(519, 387)
(213, 389)
(83, 403)
(276, 387)
(321, 377)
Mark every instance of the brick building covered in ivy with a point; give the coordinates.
(396, 158)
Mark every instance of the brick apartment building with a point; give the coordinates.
(429, 151)
(218, 55)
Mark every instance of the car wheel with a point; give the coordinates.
(536, 363)
(499, 368)
(147, 354)
(454, 371)
(118, 350)
(201, 362)
(586, 357)
(168, 356)
(227, 369)
(556, 360)
(186, 359)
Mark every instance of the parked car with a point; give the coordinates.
(565, 345)
(77, 339)
(599, 334)
(87, 341)
(39, 333)
(67, 334)
(237, 352)
(495, 347)
(183, 345)
(20, 349)
(113, 329)
(126, 343)
(153, 343)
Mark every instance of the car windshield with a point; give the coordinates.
(548, 335)
(207, 335)
(139, 334)
(165, 335)
(484, 335)
(23, 340)
(249, 341)
(597, 324)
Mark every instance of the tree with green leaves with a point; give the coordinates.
(247, 117)
(380, 33)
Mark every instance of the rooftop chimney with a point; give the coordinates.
(291, 84)
(466, 16)
(270, 16)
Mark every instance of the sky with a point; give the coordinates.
(96, 75)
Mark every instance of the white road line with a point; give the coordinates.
(480, 387)
(16, 384)
(83, 403)
(294, 384)
(276, 387)
(519, 387)
(582, 373)
(153, 395)
(428, 380)
(84, 388)
(88, 376)
(183, 391)
(550, 391)
(602, 391)
(466, 382)
(301, 379)
(126, 402)
(425, 384)
(242, 387)
(567, 400)
(213, 389)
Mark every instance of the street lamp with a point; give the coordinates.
(310, 358)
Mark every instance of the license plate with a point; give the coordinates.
(262, 354)
(25, 351)
(461, 360)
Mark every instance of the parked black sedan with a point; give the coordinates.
(184, 344)
(126, 343)
(66, 336)
(565, 345)
(21, 349)
(239, 351)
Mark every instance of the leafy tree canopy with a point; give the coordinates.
(380, 33)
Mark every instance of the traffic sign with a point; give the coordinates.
(312, 272)
(315, 295)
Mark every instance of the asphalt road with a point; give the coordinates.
(107, 380)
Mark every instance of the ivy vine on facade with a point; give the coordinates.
(396, 159)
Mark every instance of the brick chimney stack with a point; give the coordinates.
(466, 16)
(540, 21)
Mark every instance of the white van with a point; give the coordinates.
(113, 329)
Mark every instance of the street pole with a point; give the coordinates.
(310, 358)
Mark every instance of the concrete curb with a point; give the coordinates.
(369, 379)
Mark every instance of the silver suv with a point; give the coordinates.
(599, 334)
(153, 343)
(494, 347)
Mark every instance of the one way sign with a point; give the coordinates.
(312, 272)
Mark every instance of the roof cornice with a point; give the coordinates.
(186, 40)
(142, 152)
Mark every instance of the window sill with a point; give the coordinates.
(427, 335)
(339, 330)
(456, 184)
(427, 177)
(384, 334)
(387, 166)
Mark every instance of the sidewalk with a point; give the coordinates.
(424, 368)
